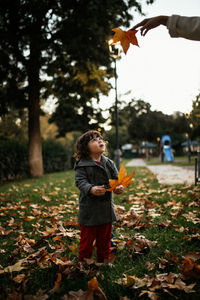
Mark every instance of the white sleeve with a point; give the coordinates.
(186, 27)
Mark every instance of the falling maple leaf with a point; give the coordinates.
(123, 179)
(125, 38)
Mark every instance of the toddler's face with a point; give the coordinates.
(96, 145)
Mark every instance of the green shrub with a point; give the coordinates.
(14, 158)
(56, 157)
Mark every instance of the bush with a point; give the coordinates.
(56, 157)
(14, 158)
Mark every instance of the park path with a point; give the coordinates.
(167, 174)
(136, 162)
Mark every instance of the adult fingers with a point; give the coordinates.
(140, 24)
(144, 29)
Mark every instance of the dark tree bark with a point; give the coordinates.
(35, 143)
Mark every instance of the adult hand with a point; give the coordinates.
(150, 23)
(119, 189)
(98, 190)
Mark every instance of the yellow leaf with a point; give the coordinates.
(125, 38)
(122, 173)
(130, 280)
(72, 248)
(123, 179)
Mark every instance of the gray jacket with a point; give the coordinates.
(95, 210)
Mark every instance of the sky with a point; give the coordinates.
(163, 71)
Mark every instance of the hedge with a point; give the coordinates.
(14, 158)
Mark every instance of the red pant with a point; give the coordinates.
(102, 235)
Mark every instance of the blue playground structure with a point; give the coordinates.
(166, 148)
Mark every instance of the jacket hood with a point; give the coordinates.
(89, 162)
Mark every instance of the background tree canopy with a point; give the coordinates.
(138, 122)
(57, 47)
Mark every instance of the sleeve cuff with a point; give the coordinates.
(172, 25)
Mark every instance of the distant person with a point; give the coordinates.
(178, 26)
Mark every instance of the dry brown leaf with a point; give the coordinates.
(193, 255)
(151, 295)
(79, 295)
(150, 266)
(58, 280)
(18, 266)
(190, 269)
(93, 288)
(130, 280)
(93, 284)
(19, 278)
(40, 295)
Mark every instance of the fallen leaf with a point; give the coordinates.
(93, 284)
(72, 248)
(190, 269)
(193, 255)
(130, 280)
(58, 280)
(93, 289)
(79, 295)
(150, 266)
(19, 278)
(151, 295)
(14, 268)
(46, 198)
(40, 295)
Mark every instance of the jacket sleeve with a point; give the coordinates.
(186, 27)
(81, 181)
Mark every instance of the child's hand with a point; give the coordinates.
(119, 189)
(98, 190)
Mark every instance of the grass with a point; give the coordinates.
(54, 198)
(178, 161)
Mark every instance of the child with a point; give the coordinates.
(96, 210)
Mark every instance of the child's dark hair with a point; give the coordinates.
(82, 151)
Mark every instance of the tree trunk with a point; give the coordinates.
(35, 143)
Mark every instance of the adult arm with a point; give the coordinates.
(178, 26)
(151, 23)
(186, 27)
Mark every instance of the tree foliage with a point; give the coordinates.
(56, 47)
(143, 124)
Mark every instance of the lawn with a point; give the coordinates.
(157, 238)
(178, 161)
